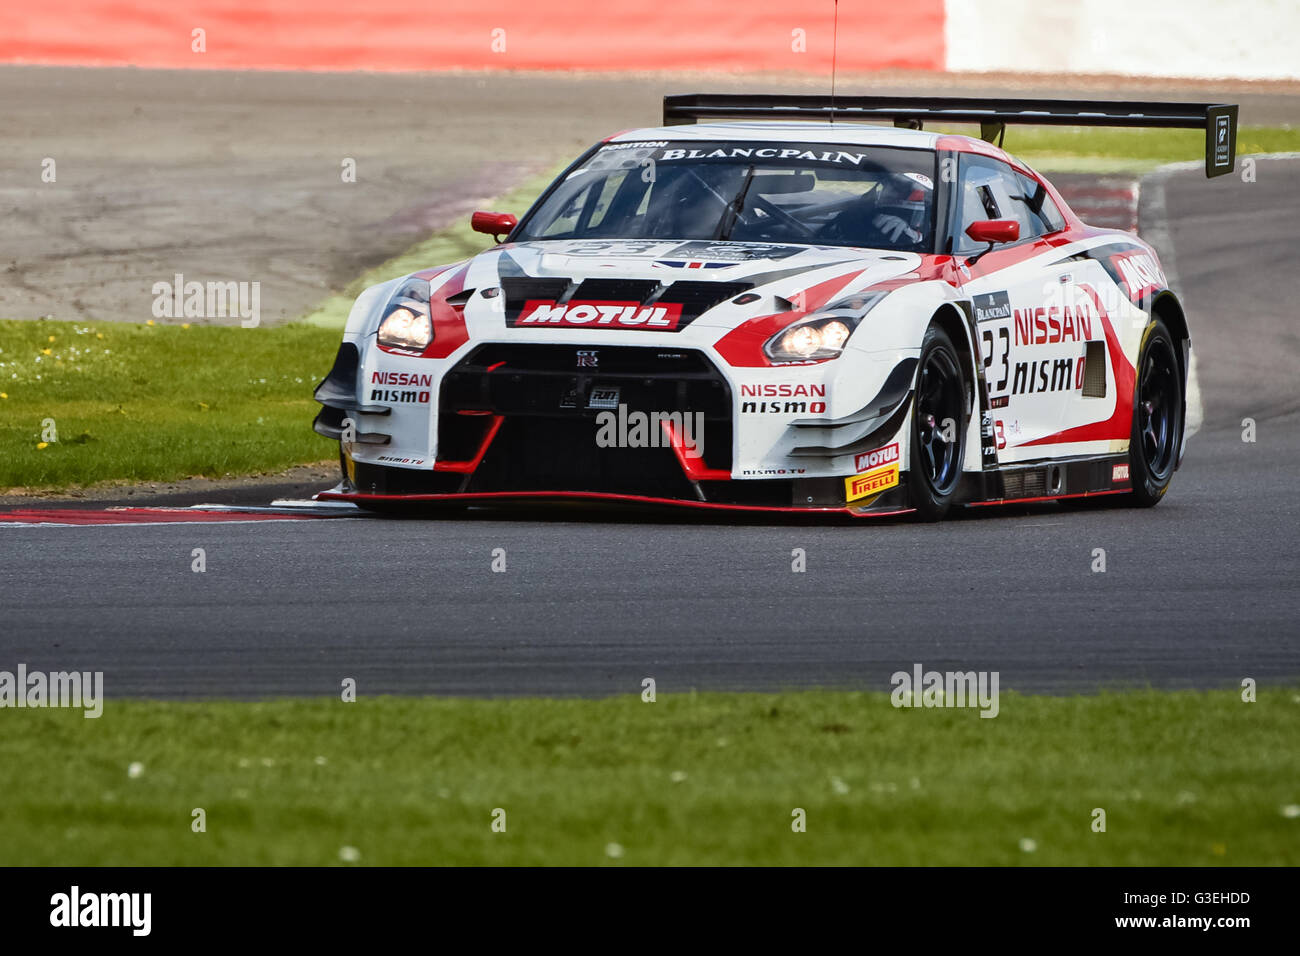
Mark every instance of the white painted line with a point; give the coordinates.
(143, 524)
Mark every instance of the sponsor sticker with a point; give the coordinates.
(400, 396)
(704, 250)
(783, 390)
(874, 459)
(423, 380)
(642, 144)
(1140, 272)
(1119, 473)
(783, 398)
(414, 388)
(599, 315)
(991, 305)
(800, 153)
(603, 396)
(1222, 150)
(618, 247)
(873, 482)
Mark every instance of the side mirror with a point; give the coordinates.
(994, 230)
(495, 224)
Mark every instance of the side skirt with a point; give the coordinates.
(1050, 480)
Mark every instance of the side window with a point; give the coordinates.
(991, 189)
(983, 195)
(1040, 206)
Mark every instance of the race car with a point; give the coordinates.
(781, 303)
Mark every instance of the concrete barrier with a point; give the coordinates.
(1255, 40)
(487, 34)
(1170, 38)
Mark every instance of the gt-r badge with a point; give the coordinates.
(588, 358)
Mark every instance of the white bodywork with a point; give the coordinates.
(891, 332)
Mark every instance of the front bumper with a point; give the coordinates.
(519, 422)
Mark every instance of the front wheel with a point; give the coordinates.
(938, 427)
(1157, 429)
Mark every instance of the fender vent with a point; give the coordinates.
(1094, 370)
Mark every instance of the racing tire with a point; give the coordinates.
(1158, 417)
(941, 396)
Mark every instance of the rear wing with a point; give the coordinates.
(1219, 120)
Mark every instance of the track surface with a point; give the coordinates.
(1200, 591)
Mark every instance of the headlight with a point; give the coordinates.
(821, 336)
(406, 323)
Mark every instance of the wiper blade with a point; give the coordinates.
(733, 209)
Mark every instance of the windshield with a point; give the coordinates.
(813, 193)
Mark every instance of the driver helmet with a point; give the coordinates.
(908, 196)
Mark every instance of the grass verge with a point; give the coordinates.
(156, 402)
(1083, 149)
(1184, 778)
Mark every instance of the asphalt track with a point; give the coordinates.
(1200, 591)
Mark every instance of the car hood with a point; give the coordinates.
(671, 259)
(696, 281)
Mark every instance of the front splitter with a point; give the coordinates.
(597, 497)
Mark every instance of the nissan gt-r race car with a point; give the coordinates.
(794, 310)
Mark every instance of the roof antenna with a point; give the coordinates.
(835, 37)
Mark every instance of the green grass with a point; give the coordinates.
(1081, 149)
(156, 402)
(1184, 778)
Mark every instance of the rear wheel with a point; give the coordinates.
(938, 427)
(1157, 417)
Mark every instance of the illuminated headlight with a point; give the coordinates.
(821, 336)
(406, 323)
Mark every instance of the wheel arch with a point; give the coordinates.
(959, 328)
(1169, 310)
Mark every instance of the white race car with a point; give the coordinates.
(793, 311)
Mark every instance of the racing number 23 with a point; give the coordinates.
(1004, 337)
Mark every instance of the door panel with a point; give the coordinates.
(1035, 315)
